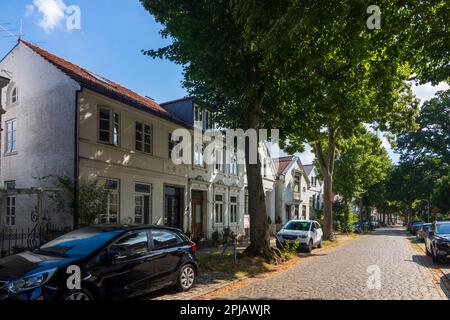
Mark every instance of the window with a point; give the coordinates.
(198, 155)
(15, 95)
(218, 212)
(313, 201)
(219, 160)
(234, 166)
(11, 211)
(198, 115)
(113, 204)
(109, 126)
(134, 244)
(297, 184)
(233, 210)
(10, 185)
(142, 203)
(11, 132)
(172, 145)
(143, 137)
(164, 239)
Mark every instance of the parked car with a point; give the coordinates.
(415, 225)
(375, 224)
(357, 227)
(115, 262)
(422, 232)
(307, 233)
(437, 241)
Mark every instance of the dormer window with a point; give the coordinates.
(15, 95)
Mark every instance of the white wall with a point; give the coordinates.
(45, 116)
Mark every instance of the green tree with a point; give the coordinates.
(432, 138)
(337, 76)
(441, 194)
(226, 71)
(362, 164)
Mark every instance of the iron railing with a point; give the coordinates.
(16, 240)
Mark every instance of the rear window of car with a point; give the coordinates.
(165, 238)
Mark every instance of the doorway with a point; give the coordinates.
(197, 213)
(173, 201)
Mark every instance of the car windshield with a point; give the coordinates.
(79, 243)
(443, 228)
(417, 224)
(298, 225)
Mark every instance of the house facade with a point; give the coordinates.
(61, 120)
(315, 191)
(292, 189)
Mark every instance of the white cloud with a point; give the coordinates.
(51, 12)
(427, 91)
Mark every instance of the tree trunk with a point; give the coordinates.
(259, 226)
(327, 170)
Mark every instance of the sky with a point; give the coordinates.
(107, 39)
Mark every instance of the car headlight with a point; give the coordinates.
(30, 282)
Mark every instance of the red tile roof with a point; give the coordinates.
(282, 163)
(102, 85)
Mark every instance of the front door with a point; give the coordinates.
(172, 207)
(197, 214)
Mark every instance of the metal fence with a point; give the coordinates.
(16, 240)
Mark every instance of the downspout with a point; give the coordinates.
(76, 178)
(3, 83)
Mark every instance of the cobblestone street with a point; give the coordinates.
(343, 273)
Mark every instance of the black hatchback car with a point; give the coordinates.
(437, 241)
(101, 262)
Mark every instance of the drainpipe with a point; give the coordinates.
(3, 83)
(76, 178)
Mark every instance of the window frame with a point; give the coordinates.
(129, 233)
(234, 205)
(108, 203)
(10, 216)
(11, 136)
(114, 126)
(152, 242)
(220, 203)
(15, 95)
(143, 133)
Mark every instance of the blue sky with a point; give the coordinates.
(109, 42)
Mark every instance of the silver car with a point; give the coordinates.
(307, 233)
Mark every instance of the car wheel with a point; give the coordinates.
(77, 295)
(309, 248)
(320, 246)
(186, 278)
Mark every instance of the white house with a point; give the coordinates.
(63, 120)
(216, 192)
(315, 191)
(292, 185)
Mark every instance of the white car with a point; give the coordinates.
(307, 233)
